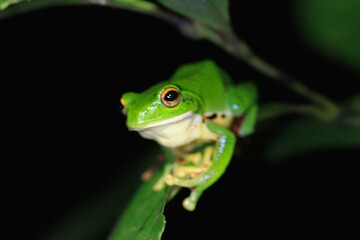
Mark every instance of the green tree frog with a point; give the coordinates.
(196, 116)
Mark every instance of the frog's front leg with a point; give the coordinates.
(174, 169)
(201, 161)
(221, 157)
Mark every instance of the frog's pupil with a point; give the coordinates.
(171, 95)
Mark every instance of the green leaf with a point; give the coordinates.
(213, 13)
(306, 135)
(143, 218)
(31, 5)
(332, 28)
(141, 208)
(5, 3)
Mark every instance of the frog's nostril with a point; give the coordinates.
(122, 106)
(122, 101)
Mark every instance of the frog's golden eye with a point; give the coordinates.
(170, 97)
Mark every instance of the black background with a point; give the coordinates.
(64, 71)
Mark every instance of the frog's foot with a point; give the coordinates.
(188, 204)
(172, 180)
(188, 171)
(191, 172)
(185, 176)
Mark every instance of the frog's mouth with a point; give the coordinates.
(173, 132)
(178, 118)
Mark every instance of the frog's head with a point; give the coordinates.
(161, 104)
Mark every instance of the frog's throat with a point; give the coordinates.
(165, 122)
(177, 131)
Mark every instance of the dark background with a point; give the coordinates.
(64, 71)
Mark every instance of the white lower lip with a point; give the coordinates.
(174, 132)
(165, 122)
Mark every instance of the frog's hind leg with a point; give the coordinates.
(243, 105)
(248, 123)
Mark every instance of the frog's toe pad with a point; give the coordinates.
(188, 204)
(170, 179)
(159, 185)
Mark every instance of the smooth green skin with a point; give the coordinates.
(204, 88)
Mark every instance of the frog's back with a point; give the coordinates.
(207, 81)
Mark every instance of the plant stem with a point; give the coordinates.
(226, 39)
(240, 50)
